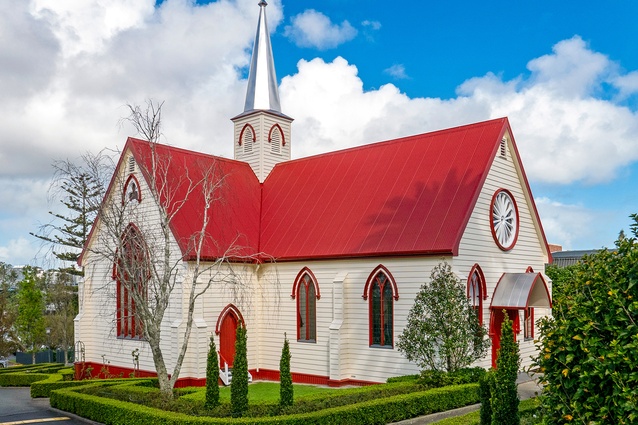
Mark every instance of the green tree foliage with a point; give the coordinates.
(486, 382)
(8, 310)
(286, 392)
(443, 332)
(62, 307)
(80, 189)
(239, 384)
(504, 391)
(30, 323)
(212, 376)
(589, 349)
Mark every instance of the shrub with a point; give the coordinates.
(443, 332)
(589, 350)
(239, 384)
(286, 391)
(212, 376)
(436, 379)
(404, 378)
(504, 391)
(485, 396)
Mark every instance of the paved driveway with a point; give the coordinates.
(17, 407)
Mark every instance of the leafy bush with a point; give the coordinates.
(443, 332)
(404, 378)
(436, 379)
(504, 391)
(589, 350)
(485, 395)
(21, 379)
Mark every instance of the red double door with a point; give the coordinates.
(496, 321)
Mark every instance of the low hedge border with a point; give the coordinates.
(54, 381)
(41, 367)
(24, 376)
(379, 411)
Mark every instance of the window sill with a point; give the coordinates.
(307, 341)
(385, 347)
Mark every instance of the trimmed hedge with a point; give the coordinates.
(21, 379)
(378, 411)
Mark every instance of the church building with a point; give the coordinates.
(328, 251)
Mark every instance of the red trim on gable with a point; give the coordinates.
(229, 308)
(529, 269)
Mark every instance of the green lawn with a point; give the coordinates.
(526, 408)
(261, 392)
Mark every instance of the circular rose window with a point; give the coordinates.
(504, 222)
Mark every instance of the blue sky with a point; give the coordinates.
(350, 73)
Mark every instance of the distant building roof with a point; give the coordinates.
(568, 258)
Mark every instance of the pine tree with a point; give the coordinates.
(504, 392)
(81, 189)
(239, 384)
(286, 391)
(212, 376)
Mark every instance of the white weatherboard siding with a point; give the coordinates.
(478, 247)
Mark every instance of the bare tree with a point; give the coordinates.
(137, 238)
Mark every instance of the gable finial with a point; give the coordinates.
(262, 92)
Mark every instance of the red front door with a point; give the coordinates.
(227, 337)
(496, 322)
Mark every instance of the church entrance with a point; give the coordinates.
(227, 337)
(496, 321)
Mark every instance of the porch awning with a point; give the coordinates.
(521, 290)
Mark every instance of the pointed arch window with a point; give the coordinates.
(276, 139)
(131, 190)
(247, 138)
(476, 290)
(528, 316)
(306, 291)
(381, 292)
(132, 271)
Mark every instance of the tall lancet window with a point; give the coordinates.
(306, 291)
(381, 291)
(476, 290)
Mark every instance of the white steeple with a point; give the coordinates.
(262, 92)
(262, 131)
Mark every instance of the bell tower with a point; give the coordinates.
(262, 131)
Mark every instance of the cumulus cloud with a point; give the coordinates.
(569, 224)
(314, 29)
(73, 66)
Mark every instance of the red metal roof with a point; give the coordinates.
(406, 196)
(233, 228)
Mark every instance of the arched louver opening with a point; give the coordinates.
(276, 139)
(247, 138)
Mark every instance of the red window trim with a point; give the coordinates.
(294, 295)
(529, 269)
(139, 191)
(283, 138)
(482, 288)
(366, 294)
(513, 244)
(241, 134)
(380, 267)
(227, 310)
(125, 304)
(528, 331)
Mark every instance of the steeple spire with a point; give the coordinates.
(262, 93)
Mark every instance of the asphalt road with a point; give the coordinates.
(17, 407)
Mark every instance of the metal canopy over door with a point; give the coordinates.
(514, 292)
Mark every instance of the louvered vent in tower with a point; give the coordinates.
(275, 140)
(248, 140)
(503, 147)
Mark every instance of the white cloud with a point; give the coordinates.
(18, 252)
(374, 25)
(314, 29)
(627, 84)
(566, 224)
(397, 71)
